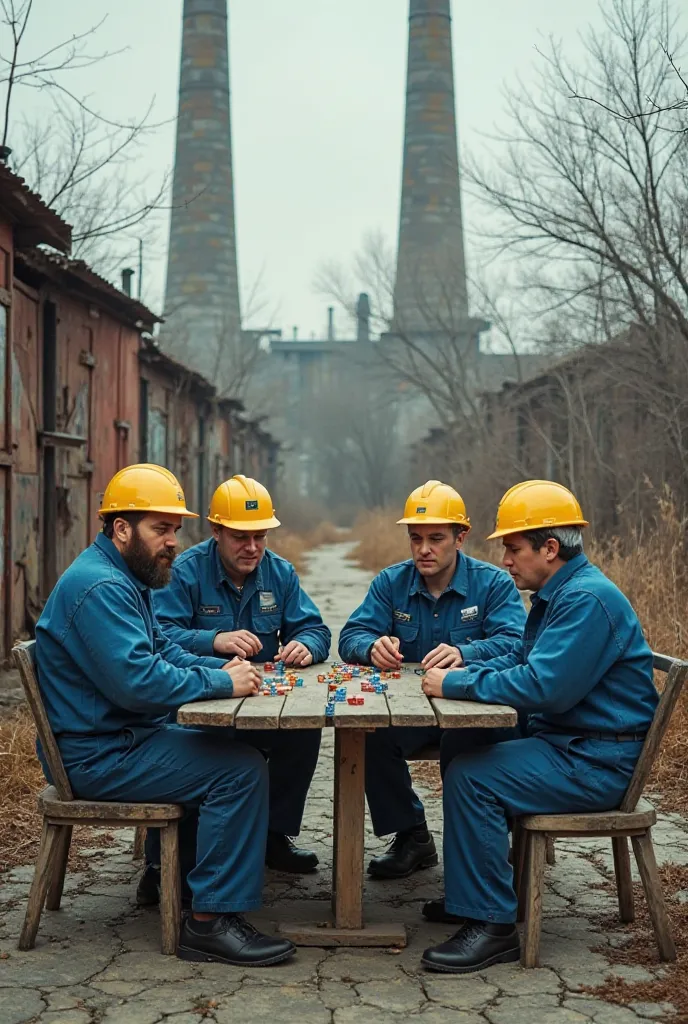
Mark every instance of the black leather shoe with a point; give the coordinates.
(148, 889)
(404, 855)
(472, 949)
(435, 912)
(282, 855)
(230, 939)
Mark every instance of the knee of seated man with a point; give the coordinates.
(239, 761)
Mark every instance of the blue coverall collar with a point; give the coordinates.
(560, 577)
(109, 549)
(458, 583)
(252, 583)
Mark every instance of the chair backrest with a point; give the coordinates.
(676, 673)
(24, 655)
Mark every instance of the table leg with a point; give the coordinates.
(346, 927)
(349, 815)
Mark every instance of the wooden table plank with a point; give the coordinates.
(304, 708)
(407, 703)
(260, 712)
(210, 712)
(464, 714)
(374, 714)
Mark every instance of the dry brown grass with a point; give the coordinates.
(22, 778)
(379, 541)
(291, 546)
(326, 533)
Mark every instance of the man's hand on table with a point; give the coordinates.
(432, 682)
(385, 653)
(296, 654)
(241, 642)
(443, 656)
(246, 678)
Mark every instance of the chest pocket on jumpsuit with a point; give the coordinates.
(408, 634)
(466, 632)
(266, 628)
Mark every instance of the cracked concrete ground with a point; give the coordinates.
(97, 960)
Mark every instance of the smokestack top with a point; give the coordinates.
(127, 275)
(330, 323)
(441, 8)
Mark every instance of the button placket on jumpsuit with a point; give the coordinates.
(201, 601)
(109, 679)
(480, 612)
(584, 666)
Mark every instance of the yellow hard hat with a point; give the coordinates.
(535, 504)
(242, 504)
(145, 488)
(435, 502)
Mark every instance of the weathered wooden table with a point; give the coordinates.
(304, 708)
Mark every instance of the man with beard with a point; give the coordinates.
(110, 679)
(443, 609)
(231, 595)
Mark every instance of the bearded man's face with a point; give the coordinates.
(151, 549)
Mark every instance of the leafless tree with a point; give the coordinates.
(79, 160)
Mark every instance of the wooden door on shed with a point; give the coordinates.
(72, 457)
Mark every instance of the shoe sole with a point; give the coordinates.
(509, 957)
(196, 956)
(429, 862)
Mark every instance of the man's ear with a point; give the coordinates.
(551, 549)
(121, 531)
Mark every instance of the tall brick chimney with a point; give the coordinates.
(430, 290)
(203, 316)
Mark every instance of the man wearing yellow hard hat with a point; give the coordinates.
(230, 595)
(441, 608)
(110, 680)
(583, 675)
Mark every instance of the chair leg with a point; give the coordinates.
(537, 843)
(519, 846)
(624, 882)
(64, 841)
(170, 888)
(45, 863)
(649, 876)
(551, 856)
(139, 842)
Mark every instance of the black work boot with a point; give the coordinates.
(409, 851)
(282, 855)
(436, 912)
(476, 945)
(148, 889)
(230, 939)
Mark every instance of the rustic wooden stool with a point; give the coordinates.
(634, 819)
(61, 812)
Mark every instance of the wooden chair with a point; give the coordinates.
(634, 819)
(61, 812)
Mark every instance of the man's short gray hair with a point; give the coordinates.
(570, 540)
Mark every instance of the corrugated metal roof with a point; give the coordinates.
(33, 220)
(78, 276)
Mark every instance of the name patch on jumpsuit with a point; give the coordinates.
(469, 614)
(209, 609)
(267, 601)
(401, 616)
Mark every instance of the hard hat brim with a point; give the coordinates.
(432, 521)
(507, 531)
(244, 525)
(168, 510)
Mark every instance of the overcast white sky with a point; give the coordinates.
(317, 102)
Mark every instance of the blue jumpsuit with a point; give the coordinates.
(583, 675)
(110, 679)
(201, 601)
(480, 612)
